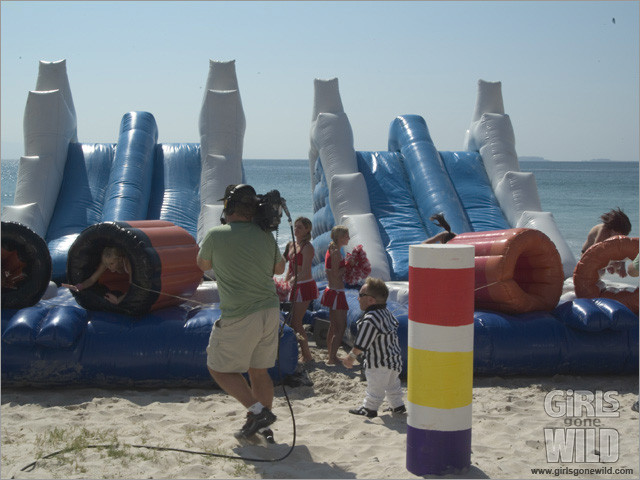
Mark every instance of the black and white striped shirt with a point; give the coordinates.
(378, 338)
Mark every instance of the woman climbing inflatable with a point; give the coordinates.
(114, 260)
(303, 286)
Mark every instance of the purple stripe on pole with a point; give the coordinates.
(434, 452)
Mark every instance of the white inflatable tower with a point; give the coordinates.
(332, 144)
(222, 126)
(49, 126)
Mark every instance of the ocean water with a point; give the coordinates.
(576, 193)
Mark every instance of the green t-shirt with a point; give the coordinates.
(243, 257)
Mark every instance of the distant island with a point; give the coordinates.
(533, 159)
(542, 159)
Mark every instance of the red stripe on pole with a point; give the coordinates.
(442, 302)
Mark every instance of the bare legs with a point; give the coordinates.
(299, 309)
(261, 389)
(337, 326)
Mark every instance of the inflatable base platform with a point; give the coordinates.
(585, 336)
(57, 343)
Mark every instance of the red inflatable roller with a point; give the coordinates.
(587, 272)
(516, 271)
(162, 256)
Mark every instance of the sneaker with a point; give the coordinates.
(267, 433)
(256, 422)
(400, 409)
(364, 412)
(634, 407)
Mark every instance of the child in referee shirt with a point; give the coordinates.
(378, 339)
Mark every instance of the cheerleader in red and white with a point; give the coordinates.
(303, 286)
(334, 296)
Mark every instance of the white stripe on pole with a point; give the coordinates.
(445, 420)
(437, 338)
(432, 258)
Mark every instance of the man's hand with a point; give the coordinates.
(347, 361)
(618, 267)
(350, 359)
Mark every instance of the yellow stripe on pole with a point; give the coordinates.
(440, 379)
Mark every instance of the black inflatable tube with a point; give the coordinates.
(32, 250)
(146, 269)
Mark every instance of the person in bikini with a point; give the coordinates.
(303, 286)
(114, 260)
(334, 296)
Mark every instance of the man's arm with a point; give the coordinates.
(278, 268)
(350, 359)
(366, 334)
(204, 264)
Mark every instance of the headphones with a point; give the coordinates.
(241, 193)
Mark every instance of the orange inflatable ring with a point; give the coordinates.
(517, 270)
(163, 263)
(586, 274)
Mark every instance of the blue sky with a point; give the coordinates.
(569, 73)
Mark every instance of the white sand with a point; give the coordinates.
(508, 431)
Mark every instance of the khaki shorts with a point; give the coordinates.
(237, 344)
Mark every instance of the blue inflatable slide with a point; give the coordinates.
(57, 342)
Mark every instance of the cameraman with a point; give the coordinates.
(245, 338)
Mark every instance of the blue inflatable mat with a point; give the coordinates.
(564, 341)
(58, 343)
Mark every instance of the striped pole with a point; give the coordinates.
(440, 358)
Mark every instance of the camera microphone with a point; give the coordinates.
(283, 202)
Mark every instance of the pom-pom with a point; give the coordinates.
(283, 289)
(357, 266)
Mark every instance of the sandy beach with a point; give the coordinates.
(508, 439)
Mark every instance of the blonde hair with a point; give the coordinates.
(377, 289)
(307, 224)
(112, 252)
(337, 232)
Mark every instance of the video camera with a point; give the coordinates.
(268, 207)
(269, 210)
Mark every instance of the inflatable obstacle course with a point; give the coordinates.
(387, 198)
(57, 342)
(82, 196)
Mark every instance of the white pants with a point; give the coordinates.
(381, 381)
